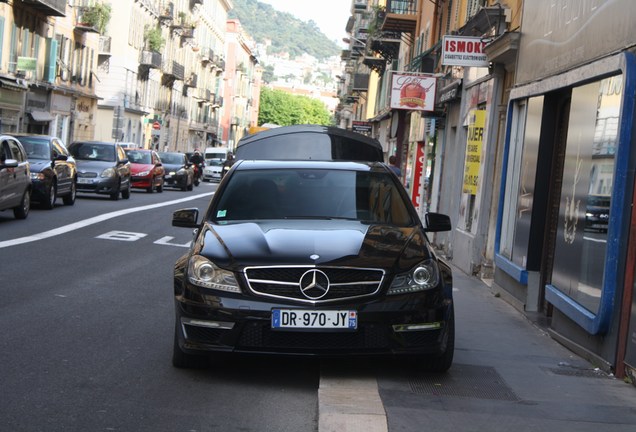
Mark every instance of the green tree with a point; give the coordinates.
(284, 109)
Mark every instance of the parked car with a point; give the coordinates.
(312, 258)
(178, 170)
(102, 168)
(53, 170)
(15, 177)
(147, 169)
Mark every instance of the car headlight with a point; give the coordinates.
(143, 173)
(182, 171)
(422, 277)
(172, 173)
(204, 273)
(37, 176)
(108, 172)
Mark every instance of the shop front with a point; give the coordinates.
(12, 96)
(568, 176)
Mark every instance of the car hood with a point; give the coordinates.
(39, 165)
(137, 168)
(172, 167)
(329, 242)
(93, 166)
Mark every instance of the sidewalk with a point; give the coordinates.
(508, 375)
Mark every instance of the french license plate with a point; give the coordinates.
(85, 180)
(308, 319)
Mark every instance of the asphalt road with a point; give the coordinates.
(88, 325)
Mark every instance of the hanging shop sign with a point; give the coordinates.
(413, 91)
(28, 64)
(464, 51)
(474, 143)
(361, 127)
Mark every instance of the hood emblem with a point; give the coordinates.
(314, 284)
(314, 257)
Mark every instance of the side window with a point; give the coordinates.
(15, 151)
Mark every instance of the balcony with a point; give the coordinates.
(191, 81)
(193, 3)
(399, 16)
(104, 46)
(187, 33)
(360, 82)
(207, 55)
(150, 59)
(48, 7)
(166, 12)
(375, 63)
(172, 71)
(359, 6)
(386, 44)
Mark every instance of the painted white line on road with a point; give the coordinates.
(350, 404)
(91, 221)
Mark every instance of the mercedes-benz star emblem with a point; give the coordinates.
(314, 284)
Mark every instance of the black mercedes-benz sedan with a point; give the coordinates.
(313, 258)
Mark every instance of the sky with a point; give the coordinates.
(330, 16)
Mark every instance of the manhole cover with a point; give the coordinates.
(482, 382)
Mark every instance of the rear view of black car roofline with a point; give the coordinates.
(309, 142)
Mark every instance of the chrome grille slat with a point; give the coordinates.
(283, 282)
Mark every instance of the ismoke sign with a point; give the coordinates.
(464, 51)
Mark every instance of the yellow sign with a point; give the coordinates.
(477, 122)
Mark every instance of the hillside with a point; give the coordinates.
(287, 33)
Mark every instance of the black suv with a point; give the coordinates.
(15, 178)
(53, 170)
(313, 257)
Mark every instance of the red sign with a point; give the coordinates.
(156, 125)
(418, 176)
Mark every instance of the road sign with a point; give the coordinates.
(156, 125)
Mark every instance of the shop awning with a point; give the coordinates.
(41, 116)
(12, 85)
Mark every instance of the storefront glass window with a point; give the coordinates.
(588, 175)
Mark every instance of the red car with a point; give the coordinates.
(146, 169)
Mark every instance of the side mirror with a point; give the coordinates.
(61, 157)
(9, 163)
(436, 222)
(185, 218)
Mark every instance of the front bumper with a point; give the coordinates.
(177, 180)
(97, 185)
(141, 182)
(387, 325)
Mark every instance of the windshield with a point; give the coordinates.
(217, 156)
(171, 158)
(139, 157)
(36, 148)
(312, 194)
(93, 151)
(214, 162)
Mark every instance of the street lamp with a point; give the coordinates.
(351, 38)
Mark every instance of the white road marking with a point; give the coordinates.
(122, 236)
(166, 241)
(94, 220)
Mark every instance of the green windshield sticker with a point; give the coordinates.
(221, 213)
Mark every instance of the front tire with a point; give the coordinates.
(125, 194)
(443, 362)
(181, 359)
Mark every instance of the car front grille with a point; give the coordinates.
(86, 174)
(285, 282)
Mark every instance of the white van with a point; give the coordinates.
(214, 158)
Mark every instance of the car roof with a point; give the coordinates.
(342, 145)
(95, 142)
(244, 165)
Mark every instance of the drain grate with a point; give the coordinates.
(482, 382)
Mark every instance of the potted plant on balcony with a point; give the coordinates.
(97, 16)
(154, 39)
